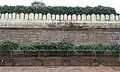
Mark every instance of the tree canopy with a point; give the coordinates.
(37, 3)
(58, 9)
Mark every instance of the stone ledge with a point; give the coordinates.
(59, 24)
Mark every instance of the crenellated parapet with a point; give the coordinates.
(32, 20)
(51, 17)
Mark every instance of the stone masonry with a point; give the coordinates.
(83, 28)
(87, 35)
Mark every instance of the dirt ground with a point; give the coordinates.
(61, 69)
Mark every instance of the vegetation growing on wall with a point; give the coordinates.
(58, 9)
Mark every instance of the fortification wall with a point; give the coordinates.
(50, 27)
(84, 36)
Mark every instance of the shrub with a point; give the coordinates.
(41, 46)
(8, 45)
(65, 45)
(27, 47)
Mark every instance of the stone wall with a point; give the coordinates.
(61, 61)
(77, 35)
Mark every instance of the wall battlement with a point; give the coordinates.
(52, 17)
(51, 20)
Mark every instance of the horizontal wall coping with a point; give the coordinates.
(45, 21)
(59, 24)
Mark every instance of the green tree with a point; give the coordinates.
(37, 3)
(57, 9)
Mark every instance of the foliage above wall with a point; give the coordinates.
(58, 10)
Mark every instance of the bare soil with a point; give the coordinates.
(61, 69)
